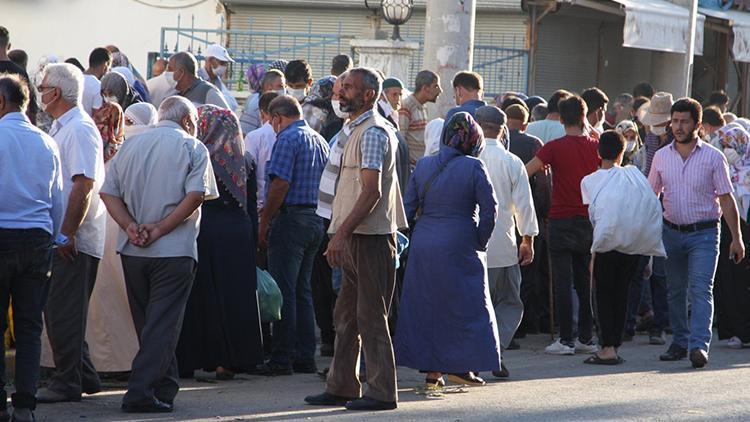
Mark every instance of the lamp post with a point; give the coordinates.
(396, 12)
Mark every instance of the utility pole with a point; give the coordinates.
(688, 67)
(448, 45)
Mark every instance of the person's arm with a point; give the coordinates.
(56, 212)
(654, 176)
(275, 196)
(534, 166)
(152, 232)
(484, 195)
(366, 201)
(78, 204)
(119, 212)
(404, 120)
(525, 215)
(731, 216)
(411, 198)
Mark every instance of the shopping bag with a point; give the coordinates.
(269, 297)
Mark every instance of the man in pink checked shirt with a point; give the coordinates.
(693, 177)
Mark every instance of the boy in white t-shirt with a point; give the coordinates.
(613, 270)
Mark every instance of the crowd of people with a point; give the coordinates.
(433, 244)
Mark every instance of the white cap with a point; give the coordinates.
(219, 52)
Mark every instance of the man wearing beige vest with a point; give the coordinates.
(367, 212)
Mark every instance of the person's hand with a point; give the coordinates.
(737, 251)
(648, 270)
(337, 249)
(150, 233)
(526, 253)
(263, 236)
(136, 235)
(68, 251)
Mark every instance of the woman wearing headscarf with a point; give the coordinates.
(432, 132)
(730, 287)
(633, 143)
(446, 323)
(316, 108)
(115, 88)
(139, 117)
(221, 329)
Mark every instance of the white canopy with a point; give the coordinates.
(659, 25)
(740, 23)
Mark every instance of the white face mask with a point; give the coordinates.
(111, 99)
(658, 130)
(169, 76)
(298, 93)
(281, 91)
(220, 71)
(629, 146)
(337, 110)
(42, 104)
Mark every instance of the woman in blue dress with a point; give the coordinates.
(447, 324)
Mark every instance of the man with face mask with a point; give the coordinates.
(182, 75)
(163, 176)
(468, 92)
(272, 81)
(259, 144)
(159, 87)
(298, 79)
(75, 263)
(215, 70)
(297, 161)
(596, 101)
(367, 212)
(655, 116)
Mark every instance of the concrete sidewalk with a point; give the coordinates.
(541, 388)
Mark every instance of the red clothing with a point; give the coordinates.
(572, 158)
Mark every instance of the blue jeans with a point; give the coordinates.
(293, 241)
(690, 268)
(25, 265)
(657, 299)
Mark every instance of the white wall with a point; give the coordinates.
(72, 28)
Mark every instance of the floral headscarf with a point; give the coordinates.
(463, 133)
(254, 74)
(109, 121)
(279, 65)
(219, 130)
(734, 140)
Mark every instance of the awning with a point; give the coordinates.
(740, 23)
(659, 25)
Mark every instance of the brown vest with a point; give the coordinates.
(388, 215)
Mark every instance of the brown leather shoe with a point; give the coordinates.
(699, 358)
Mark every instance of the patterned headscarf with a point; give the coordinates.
(254, 74)
(109, 121)
(219, 130)
(735, 137)
(464, 134)
(279, 65)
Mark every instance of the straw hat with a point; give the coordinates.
(657, 111)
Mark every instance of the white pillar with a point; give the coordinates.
(391, 57)
(688, 67)
(448, 45)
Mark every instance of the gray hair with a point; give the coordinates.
(624, 99)
(539, 112)
(285, 105)
(370, 79)
(175, 108)
(66, 77)
(424, 78)
(186, 61)
(14, 90)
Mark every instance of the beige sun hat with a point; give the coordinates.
(657, 111)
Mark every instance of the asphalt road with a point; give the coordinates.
(541, 388)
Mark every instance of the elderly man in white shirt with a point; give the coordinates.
(516, 210)
(154, 190)
(30, 216)
(259, 143)
(76, 261)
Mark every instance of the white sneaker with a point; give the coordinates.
(734, 343)
(557, 348)
(586, 348)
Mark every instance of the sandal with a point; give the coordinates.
(596, 360)
(435, 384)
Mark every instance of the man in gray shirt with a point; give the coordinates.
(163, 175)
(182, 75)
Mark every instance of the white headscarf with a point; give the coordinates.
(144, 117)
(432, 133)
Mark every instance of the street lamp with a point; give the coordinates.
(397, 12)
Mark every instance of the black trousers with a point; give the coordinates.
(535, 286)
(569, 246)
(25, 262)
(158, 290)
(324, 298)
(613, 272)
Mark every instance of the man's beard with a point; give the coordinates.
(351, 105)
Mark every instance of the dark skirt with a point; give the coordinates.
(222, 321)
(732, 289)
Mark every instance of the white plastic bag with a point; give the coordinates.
(626, 215)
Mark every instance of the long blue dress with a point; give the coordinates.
(446, 320)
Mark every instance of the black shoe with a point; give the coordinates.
(645, 324)
(513, 345)
(305, 368)
(155, 406)
(502, 373)
(675, 352)
(327, 399)
(520, 334)
(699, 358)
(271, 369)
(367, 403)
(326, 349)
(324, 372)
(655, 337)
